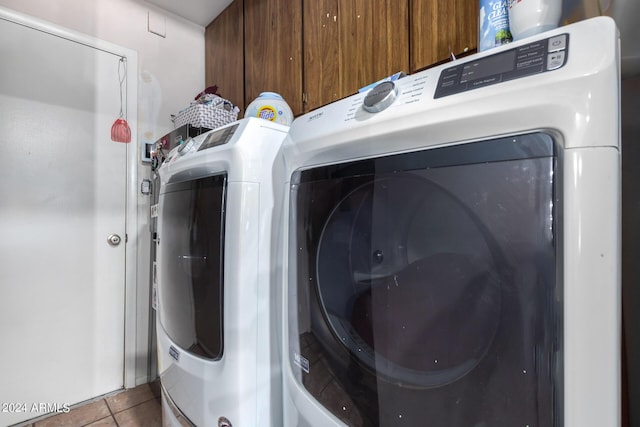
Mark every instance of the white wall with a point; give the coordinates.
(171, 68)
(170, 74)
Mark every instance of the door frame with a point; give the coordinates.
(131, 206)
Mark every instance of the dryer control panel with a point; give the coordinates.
(533, 58)
(210, 139)
(218, 137)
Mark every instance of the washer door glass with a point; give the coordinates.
(424, 286)
(190, 264)
(407, 280)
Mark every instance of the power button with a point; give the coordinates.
(557, 43)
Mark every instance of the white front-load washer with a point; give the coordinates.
(452, 248)
(218, 353)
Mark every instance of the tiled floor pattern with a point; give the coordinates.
(137, 407)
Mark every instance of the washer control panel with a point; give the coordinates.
(533, 58)
(201, 142)
(218, 137)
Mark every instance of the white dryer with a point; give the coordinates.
(218, 353)
(452, 255)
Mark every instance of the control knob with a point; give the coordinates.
(185, 147)
(380, 97)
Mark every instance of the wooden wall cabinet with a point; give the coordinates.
(313, 52)
(273, 50)
(349, 44)
(440, 26)
(224, 57)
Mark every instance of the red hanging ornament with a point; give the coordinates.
(120, 131)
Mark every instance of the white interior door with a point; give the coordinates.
(62, 193)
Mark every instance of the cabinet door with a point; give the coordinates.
(273, 50)
(224, 59)
(437, 26)
(322, 67)
(374, 39)
(349, 44)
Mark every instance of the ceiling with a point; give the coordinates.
(202, 12)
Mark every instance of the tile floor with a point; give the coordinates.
(137, 407)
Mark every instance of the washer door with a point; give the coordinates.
(191, 264)
(407, 281)
(422, 286)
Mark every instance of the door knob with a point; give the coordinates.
(114, 240)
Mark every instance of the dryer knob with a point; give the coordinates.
(380, 97)
(185, 147)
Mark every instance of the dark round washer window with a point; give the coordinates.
(407, 281)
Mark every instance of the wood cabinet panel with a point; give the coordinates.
(224, 58)
(321, 39)
(273, 50)
(351, 43)
(438, 25)
(328, 49)
(375, 36)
